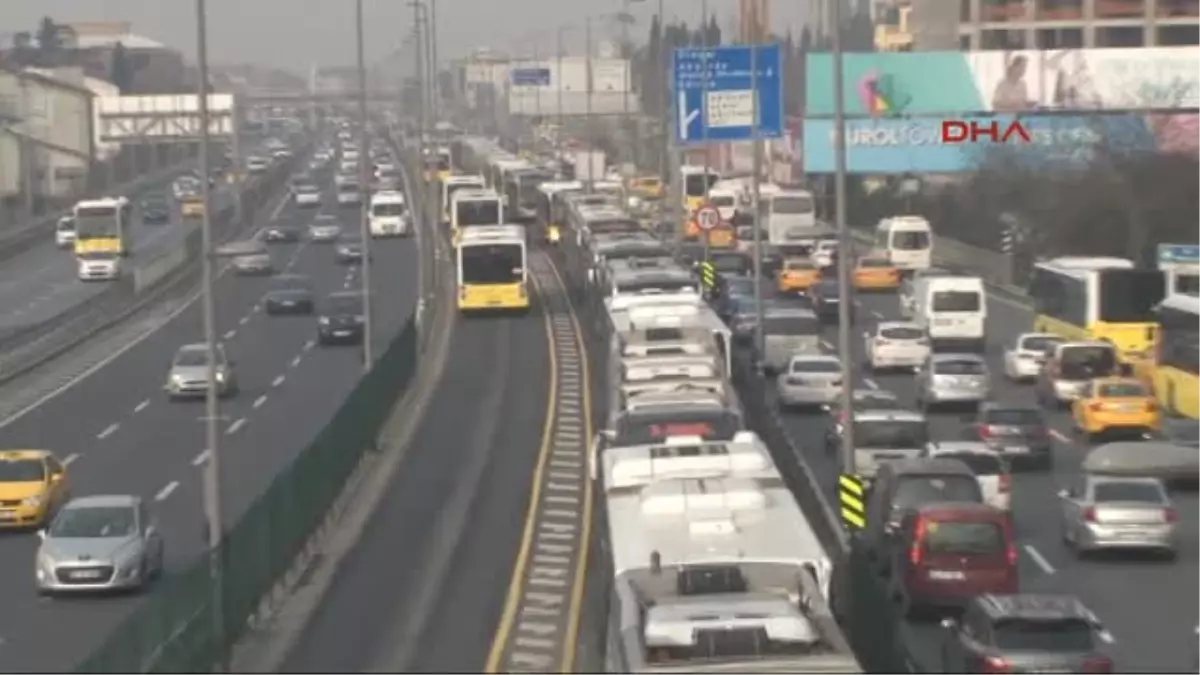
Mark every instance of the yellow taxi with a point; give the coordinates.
(1115, 404)
(798, 275)
(647, 187)
(875, 273)
(33, 484)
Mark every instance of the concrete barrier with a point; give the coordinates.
(165, 261)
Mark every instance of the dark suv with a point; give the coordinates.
(1019, 432)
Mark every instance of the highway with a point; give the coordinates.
(423, 588)
(41, 283)
(1147, 606)
(119, 433)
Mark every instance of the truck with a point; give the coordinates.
(589, 165)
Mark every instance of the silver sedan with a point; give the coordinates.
(810, 380)
(1117, 512)
(99, 543)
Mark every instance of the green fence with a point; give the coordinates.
(173, 631)
(873, 620)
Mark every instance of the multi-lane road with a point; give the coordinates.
(41, 283)
(119, 434)
(1149, 607)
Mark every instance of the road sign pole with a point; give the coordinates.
(846, 306)
(755, 180)
(704, 104)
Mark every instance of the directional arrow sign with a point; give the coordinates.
(714, 92)
(686, 117)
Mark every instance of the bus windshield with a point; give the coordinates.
(96, 221)
(698, 184)
(491, 264)
(1129, 296)
(478, 212)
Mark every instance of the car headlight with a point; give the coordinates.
(220, 376)
(177, 379)
(324, 321)
(34, 501)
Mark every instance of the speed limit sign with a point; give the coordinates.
(708, 218)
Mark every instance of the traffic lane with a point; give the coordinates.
(131, 458)
(42, 283)
(365, 613)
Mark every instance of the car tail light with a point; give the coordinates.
(1097, 664)
(986, 431)
(1151, 406)
(1170, 515)
(1089, 514)
(1096, 407)
(1012, 556)
(521, 289)
(995, 664)
(1005, 482)
(915, 554)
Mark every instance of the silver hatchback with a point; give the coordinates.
(953, 379)
(99, 543)
(1117, 512)
(810, 380)
(189, 372)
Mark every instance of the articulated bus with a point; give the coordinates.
(475, 207)
(1101, 299)
(696, 182)
(1175, 379)
(1181, 264)
(454, 184)
(492, 268)
(552, 208)
(104, 226)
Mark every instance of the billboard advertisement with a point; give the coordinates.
(929, 145)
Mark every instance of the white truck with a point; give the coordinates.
(589, 165)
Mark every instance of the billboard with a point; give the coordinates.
(899, 146)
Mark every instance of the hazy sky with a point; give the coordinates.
(296, 33)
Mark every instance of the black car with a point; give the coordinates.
(350, 249)
(341, 319)
(729, 291)
(826, 299)
(155, 210)
(281, 234)
(289, 294)
(1017, 431)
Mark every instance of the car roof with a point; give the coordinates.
(344, 294)
(1034, 606)
(960, 509)
(989, 406)
(928, 465)
(822, 358)
(1118, 380)
(15, 455)
(103, 500)
(194, 347)
(882, 325)
(962, 447)
(1141, 480)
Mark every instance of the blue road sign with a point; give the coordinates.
(712, 89)
(1178, 253)
(530, 77)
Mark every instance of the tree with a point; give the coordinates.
(121, 68)
(23, 49)
(713, 32)
(48, 39)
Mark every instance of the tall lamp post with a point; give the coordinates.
(214, 525)
(368, 352)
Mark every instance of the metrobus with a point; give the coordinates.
(492, 268)
(697, 180)
(454, 184)
(1174, 373)
(552, 209)
(1097, 298)
(388, 216)
(475, 207)
(1181, 265)
(104, 226)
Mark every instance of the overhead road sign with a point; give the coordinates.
(530, 77)
(1178, 253)
(713, 93)
(708, 218)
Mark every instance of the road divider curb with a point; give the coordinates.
(164, 262)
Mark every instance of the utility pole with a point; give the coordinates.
(755, 181)
(368, 352)
(212, 404)
(238, 166)
(558, 78)
(419, 72)
(705, 64)
(590, 180)
(432, 28)
(661, 95)
(846, 306)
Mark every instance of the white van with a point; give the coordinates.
(908, 241)
(388, 216)
(725, 200)
(952, 310)
(64, 232)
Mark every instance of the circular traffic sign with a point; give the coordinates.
(708, 217)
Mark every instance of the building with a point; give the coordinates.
(926, 25)
(48, 133)
(754, 19)
(154, 67)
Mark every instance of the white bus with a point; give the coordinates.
(908, 241)
(492, 268)
(388, 215)
(454, 184)
(475, 207)
(714, 566)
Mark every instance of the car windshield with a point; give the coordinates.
(1122, 390)
(344, 304)
(1114, 491)
(92, 522)
(963, 538)
(901, 333)
(739, 286)
(1039, 343)
(815, 366)
(1043, 635)
(916, 490)
(799, 265)
(891, 433)
(191, 357)
(1013, 416)
(1088, 361)
(23, 470)
(874, 263)
(979, 463)
(828, 290)
(963, 367)
(290, 284)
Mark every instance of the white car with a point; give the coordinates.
(1024, 359)
(824, 253)
(990, 469)
(99, 266)
(64, 232)
(307, 195)
(895, 344)
(810, 380)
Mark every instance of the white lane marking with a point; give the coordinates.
(70, 459)
(229, 334)
(108, 431)
(242, 321)
(1106, 636)
(1039, 559)
(876, 314)
(166, 491)
(1059, 436)
(310, 344)
(200, 458)
(871, 384)
(258, 402)
(236, 426)
(827, 345)
(278, 380)
(295, 362)
(141, 406)
(347, 283)
(257, 309)
(280, 206)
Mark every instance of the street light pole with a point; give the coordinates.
(432, 30)
(368, 352)
(215, 526)
(846, 306)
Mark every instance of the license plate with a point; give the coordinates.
(1128, 407)
(947, 575)
(287, 303)
(1016, 449)
(86, 574)
(7, 515)
(493, 303)
(341, 333)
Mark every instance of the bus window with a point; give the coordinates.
(698, 184)
(910, 241)
(792, 205)
(478, 212)
(492, 264)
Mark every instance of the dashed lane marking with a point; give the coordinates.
(877, 314)
(827, 345)
(70, 459)
(141, 406)
(309, 345)
(539, 628)
(278, 380)
(242, 321)
(1059, 436)
(1039, 559)
(236, 426)
(166, 491)
(870, 384)
(258, 402)
(229, 334)
(295, 361)
(108, 431)
(201, 458)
